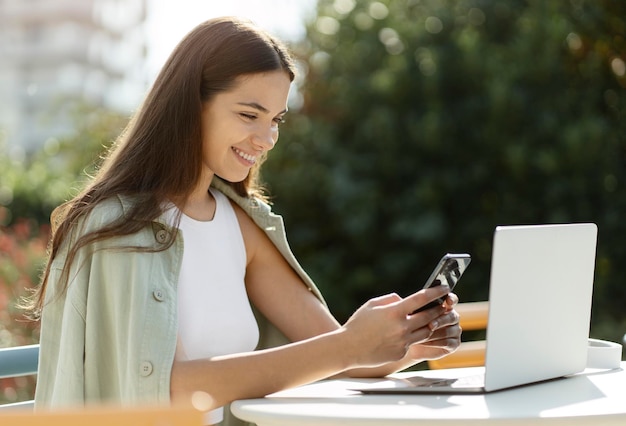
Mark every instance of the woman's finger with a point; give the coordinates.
(448, 319)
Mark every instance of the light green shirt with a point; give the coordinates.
(111, 337)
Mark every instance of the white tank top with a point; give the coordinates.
(214, 313)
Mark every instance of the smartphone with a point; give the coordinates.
(448, 271)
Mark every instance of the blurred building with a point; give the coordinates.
(52, 51)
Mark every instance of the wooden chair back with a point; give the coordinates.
(106, 416)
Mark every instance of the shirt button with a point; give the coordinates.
(145, 369)
(161, 236)
(158, 295)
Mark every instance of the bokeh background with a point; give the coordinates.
(415, 127)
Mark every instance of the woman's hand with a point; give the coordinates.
(446, 334)
(438, 335)
(384, 331)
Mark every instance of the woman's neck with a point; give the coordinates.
(200, 205)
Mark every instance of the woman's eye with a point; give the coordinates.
(247, 116)
(279, 120)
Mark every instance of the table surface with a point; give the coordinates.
(594, 396)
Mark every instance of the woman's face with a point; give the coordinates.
(241, 124)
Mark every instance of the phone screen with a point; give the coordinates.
(448, 271)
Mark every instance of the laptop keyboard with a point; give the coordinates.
(473, 381)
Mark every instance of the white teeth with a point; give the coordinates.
(245, 156)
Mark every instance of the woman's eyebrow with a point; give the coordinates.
(259, 107)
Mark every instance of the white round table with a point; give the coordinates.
(593, 397)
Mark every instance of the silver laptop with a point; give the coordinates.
(539, 311)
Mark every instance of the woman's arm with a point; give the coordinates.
(283, 298)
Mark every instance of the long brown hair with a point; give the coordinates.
(159, 154)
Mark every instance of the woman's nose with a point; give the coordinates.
(266, 138)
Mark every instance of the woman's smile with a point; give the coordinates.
(247, 158)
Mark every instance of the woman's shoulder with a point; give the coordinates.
(109, 210)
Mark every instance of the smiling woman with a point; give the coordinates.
(154, 267)
(242, 121)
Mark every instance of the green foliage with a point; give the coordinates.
(427, 123)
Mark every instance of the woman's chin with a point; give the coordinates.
(232, 178)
